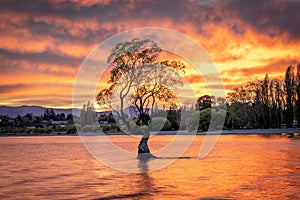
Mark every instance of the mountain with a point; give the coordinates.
(35, 110)
(39, 110)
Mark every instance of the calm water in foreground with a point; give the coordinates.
(239, 167)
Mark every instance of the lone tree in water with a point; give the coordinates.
(140, 79)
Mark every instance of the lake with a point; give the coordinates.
(239, 167)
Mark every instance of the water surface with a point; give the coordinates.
(239, 167)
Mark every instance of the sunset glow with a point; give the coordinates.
(43, 43)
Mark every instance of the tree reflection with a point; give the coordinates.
(147, 183)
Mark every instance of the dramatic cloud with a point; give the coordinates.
(274, 18)
(43, 43)
(275, 67)
(4, 89)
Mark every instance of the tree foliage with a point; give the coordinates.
(266, 103)
(159, 123)
(140, 79)
(204, 102)
(88, 114)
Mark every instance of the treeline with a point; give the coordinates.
(49, 122)
(267, 103)
(89, 121)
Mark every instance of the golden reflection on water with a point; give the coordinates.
(239, 167)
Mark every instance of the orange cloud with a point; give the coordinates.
(43, 43)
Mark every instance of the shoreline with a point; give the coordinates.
(180, 132)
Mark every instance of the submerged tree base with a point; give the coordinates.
(145, 156)
(143, 150)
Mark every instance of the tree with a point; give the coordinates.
(49, 114)
(260, 103)
(70, 118)
(289, 88)
(62, 116)
(159, 123)
(204, 102)
(192, 122)
(173, 115)
(88, 114)
(202, 120)
(265, 101)
(297, 89)
(279, 101)
(140, 79)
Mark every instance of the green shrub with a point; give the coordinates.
(160, 123)
(87, 128)
(218, 122)
(205, 116)
(16, 130)
(71, 129)
(48, 130)
(200, 120)
(28, 130)
(104, 127)
(96, 128)
(60, 129)
(144, 128)
(78, 127)
(114, 127)
(38, 130)
(193, 122)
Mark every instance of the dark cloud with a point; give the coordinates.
(119, 13)
(11, 88)
(55, 27)
(115, 11)
(39, 58)
(267, 17)
(18, 68)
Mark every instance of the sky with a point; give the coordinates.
(43, 43)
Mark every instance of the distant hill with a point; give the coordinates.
(35, 110)
(39, 110)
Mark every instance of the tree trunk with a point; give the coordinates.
(143, 149)
(298, 111)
